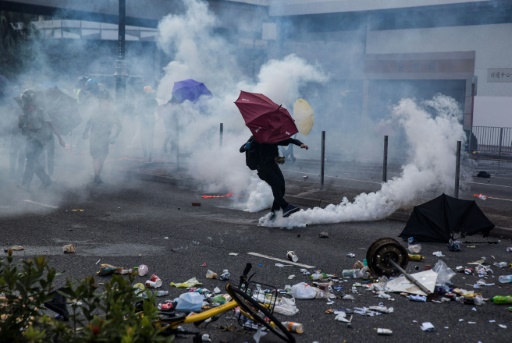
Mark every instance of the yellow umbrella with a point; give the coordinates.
(304, 118)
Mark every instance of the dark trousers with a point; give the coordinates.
(271, 174)
(34, 149)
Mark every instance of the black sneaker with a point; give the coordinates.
(272, 215)
(290, 209)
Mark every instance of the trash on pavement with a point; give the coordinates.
(341, 316)
(187, 284)
(225, 275)
(292, 256)
(69, 249)
(260, 332)
(280, 260)
(189, 302)
(15, 248)
(480, 261)
(142, 270)
(381, 308)
(418, 298)
(108, 269)
(323, 234)
(454, 245)
(293, 327)
(386, 332)
(211, 274)
(500, 264)
(303, 290)
(286, 306)
(414, 248)
(427, 326)
(400, 284)
(502, 300)
(444, 273)
(154, 281)
(416, 257)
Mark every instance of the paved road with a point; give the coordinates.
(156, 224)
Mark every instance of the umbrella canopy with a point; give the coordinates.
(268, 121)
(439, 219)
(304, 117)
(62, 109)
(190, 90)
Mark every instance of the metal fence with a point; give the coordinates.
(492, 140)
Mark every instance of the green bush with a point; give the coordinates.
(106, 315)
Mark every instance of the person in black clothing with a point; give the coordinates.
(269, 171)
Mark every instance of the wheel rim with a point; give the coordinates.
(381, 252)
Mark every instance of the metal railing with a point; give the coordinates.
(491, 140)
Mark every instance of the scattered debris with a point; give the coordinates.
(69, 249)
(280, 260)
(323, 234)
(15, 248)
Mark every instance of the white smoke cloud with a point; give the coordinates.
(199, 54)
(432, 129)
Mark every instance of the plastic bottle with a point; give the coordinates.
(502, 299)
(293, 327)
(225, 275)
(318, 276)
(415, 257)
(500, 264)
(351, 273)
(505, 279)
(161, 293)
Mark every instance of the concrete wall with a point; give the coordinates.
(492, 45)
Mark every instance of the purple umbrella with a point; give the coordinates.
(190, 90)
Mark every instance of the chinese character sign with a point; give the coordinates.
(499, 75)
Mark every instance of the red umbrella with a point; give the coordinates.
(268, 121)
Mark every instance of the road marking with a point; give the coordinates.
(40, 204)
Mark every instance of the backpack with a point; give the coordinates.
(253, 156)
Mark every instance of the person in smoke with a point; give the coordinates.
(167, 112)
(16, 139)
(101, 123)
(269, 171)
(147, 108)
(36, 126)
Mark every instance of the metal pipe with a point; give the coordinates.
(322, 164)
(457, 171)
(120, 67)
(501, 142)
(221, 133)
(410, 278)
(385, 163)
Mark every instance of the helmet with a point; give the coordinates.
(91, 85)
(28, 97)
(148, 89)
(81, 82)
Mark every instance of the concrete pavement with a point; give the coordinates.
(307, 191)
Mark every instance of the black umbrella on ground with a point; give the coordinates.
(439, 219)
